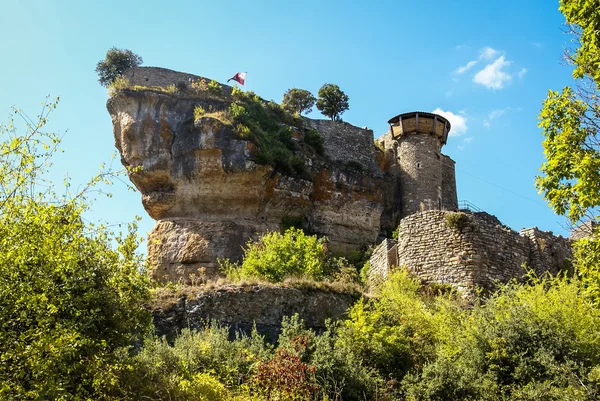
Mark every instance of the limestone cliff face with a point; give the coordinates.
(209, 196)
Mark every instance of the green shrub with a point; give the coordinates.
(71, 304)
(456, 220)
(315, 140)
(527, 342)
(200, 86)
(202, 387)
(198, 364)
(268, 126)
(215, 88)
(199, 112)
(118, 84)
(277, 256)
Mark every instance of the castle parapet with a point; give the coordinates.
(420, 122)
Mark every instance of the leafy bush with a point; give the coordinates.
(277, 256)
(215, 88)
(200, 85)
(586, 252)
(199, 362)
(268, 126)
(314, 139)
(527, 342)
(71, 306)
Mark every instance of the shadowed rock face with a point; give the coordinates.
(209, 197)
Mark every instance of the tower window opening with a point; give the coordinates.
(418, 164)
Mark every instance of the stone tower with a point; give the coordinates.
(427, 179)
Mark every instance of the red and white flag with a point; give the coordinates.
(238, 77)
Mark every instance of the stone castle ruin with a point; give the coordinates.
(209, 195)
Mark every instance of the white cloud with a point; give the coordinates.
(466, 67)
(522, 73)
(458, 122)
(492, 76)
(492, 115)
(488, 53)
(468, 139)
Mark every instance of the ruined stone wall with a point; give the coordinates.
(500, 252)
(468, 250)
(449, 196)
(383, 258)
(345, 143)
(548, 253)
(435, 252)
(421, 173)
(156, 76)
(242, 307)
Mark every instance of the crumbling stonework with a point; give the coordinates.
(242, 307)
(468, 250)
(346, 143)
(548, 253)
(385, 255)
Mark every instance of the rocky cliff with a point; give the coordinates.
(208, 187)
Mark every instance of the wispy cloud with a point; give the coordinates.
(494, 114)
(486, 53)
(468, 139)
(522, 73)
(466, 67)
(492, 75)
(458, 121)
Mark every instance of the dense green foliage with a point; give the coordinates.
(70, 304)
(332, 102)
(298, 100)
(314, 139)
(583, 16)
(116, 62)
(537, 341)
(277, 256)
(570, 120)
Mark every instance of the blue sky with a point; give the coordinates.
(486, 65)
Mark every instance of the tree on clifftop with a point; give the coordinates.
(570, 120)
(117, 61)
(332, 101)
(298, 100)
